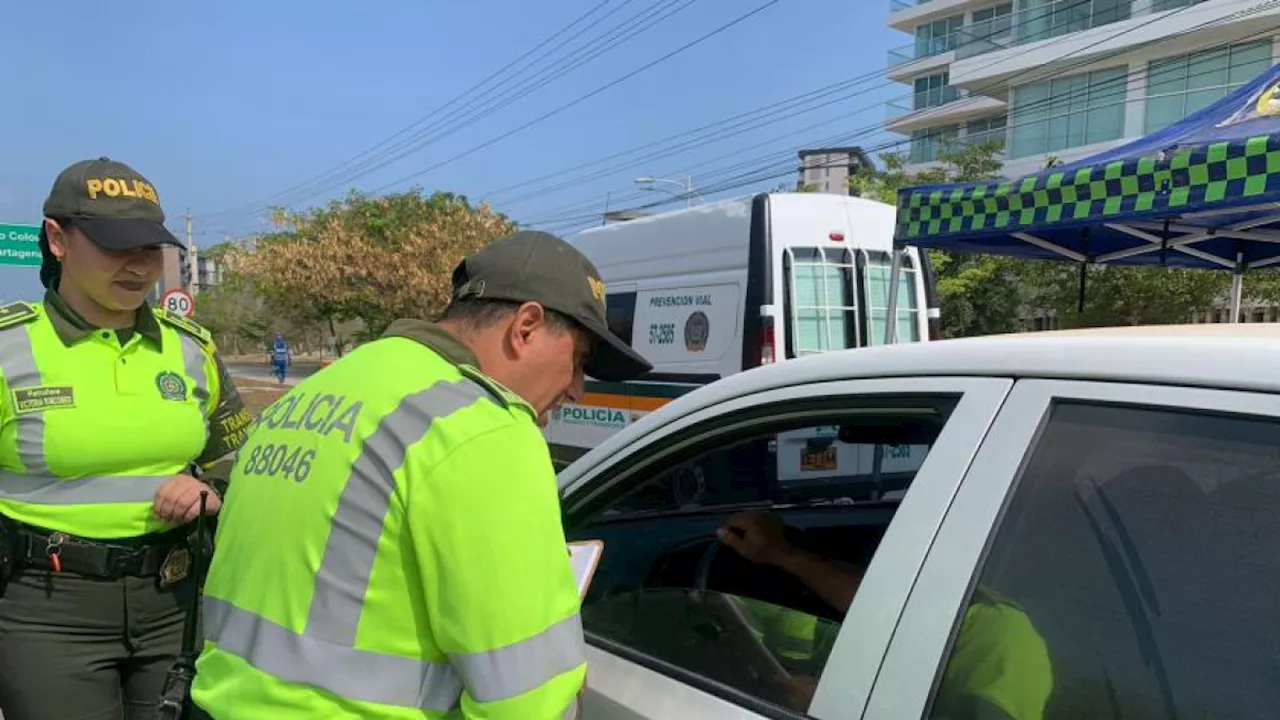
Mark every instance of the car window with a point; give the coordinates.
(806, 464)
(834, 476)
(1134, 574)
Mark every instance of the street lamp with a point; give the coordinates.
(687, 186)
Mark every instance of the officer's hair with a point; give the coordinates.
(473, 315)
(50, 267)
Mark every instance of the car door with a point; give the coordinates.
(628, 683)
(1111, 552)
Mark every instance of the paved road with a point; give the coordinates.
(260, 371)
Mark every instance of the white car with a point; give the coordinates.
(1094, 532)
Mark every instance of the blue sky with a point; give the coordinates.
(225, 105)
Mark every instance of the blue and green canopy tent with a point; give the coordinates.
(1201, 193)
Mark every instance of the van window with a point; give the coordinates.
(823, 305)
(620, 313)
(878, 268)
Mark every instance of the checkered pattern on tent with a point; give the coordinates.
(1181, 181)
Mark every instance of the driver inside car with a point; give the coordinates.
(999, 668)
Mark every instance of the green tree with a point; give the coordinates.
(977, 294)
(1126, 295)
(366, 258)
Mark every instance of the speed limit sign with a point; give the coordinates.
(177, 301)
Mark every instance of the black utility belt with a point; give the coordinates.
(165, 555)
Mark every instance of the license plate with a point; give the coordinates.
(818, 458)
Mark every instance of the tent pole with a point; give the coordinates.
(1084, 269)
(891, 315)
(1237, 285)
(1084, 273)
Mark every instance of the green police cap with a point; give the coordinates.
(530, 266)
(111, 203)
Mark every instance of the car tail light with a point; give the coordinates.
(768, 347)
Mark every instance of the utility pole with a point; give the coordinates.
(191, 257)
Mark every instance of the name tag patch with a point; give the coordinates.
(39, 399)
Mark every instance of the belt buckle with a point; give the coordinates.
(176, 565)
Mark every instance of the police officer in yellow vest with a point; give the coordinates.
(393, 547)
(108, 407)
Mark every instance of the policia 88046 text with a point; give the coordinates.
(107, 407)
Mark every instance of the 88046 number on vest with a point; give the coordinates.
(279, 460)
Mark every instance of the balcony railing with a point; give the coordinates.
(923, 100)
(984, 31)
(896, 5)
(1029, 25)
(1059, 18)
(932, 149)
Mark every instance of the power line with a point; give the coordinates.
(830, 89)
(425, 118)
(444, 128)
(582, 98)
(1244, 13)
(581, 61)
(602, 44)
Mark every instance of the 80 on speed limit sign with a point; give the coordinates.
(178, 302)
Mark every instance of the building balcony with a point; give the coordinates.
(940, 106)
(948, 48)
(1039, 38)
(905, 15)
(1026, 26)
(928, 153)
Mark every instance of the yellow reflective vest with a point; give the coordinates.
(393, 549)
(91, 427)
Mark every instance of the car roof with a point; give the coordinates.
(1243, 356)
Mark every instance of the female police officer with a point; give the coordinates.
(107, 408)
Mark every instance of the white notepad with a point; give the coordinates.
(584, 557)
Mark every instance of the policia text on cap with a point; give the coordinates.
(421, 569)
(107, 408)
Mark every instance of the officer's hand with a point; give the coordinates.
(178, 500)
(755, 536)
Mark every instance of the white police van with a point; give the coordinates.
(712, 290)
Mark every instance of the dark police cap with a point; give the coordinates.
(530, 266)
(114, 205)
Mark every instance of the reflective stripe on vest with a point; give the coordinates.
(18, 365)
(193, 361)
(50, 490)
(324, 655)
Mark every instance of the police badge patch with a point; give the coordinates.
(696, 329)
(176, 566)
(171, 386)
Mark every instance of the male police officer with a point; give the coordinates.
(393, 548)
